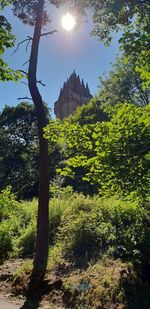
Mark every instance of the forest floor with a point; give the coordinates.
(105, 285)
(4, 304)
(12, 296)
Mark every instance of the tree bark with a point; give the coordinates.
(41, 252)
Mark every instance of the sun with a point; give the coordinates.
(68, 22)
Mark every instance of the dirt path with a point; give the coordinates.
(4, 304)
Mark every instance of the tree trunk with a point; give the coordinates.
(41, 254)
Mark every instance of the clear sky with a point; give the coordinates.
(59, 55)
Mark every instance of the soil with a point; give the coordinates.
(11, 294)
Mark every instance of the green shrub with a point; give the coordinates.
(26, 242)
(62, 200)
(5, 241)
(27, 213)
(91, 227)
(8, 211)
(131, 219)
(84, 231)
(8, 204)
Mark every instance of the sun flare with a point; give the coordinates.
(68, 22)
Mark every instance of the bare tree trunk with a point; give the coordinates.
(41, 254)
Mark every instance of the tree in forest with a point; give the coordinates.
(132, 18)
(18, 150)
(91, 112)
(110, 156)
(123, 84)
(7, 40)
(34, 13)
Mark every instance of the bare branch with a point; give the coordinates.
(24, 83)
(23, 72)
(27, 45)
(26, 63)
(25, 98)
(40, 82)
(49, 33)
(28, 40)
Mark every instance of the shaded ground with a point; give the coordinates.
(11, 296)
(105, 285)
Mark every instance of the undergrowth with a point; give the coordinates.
(100, 247)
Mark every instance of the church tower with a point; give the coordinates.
(73, 94)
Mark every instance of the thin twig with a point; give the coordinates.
(21, 71)
(24, 98)
(40, 82)
(27, 45)
(24, 83)
(20, 43)
(26, 63)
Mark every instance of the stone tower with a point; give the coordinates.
(73, 94)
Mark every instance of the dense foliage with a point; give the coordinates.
(132, 18)
(19, 150)
(82, 229)
(7, 40)
(123, 84)
(110, 156)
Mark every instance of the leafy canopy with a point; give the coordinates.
(123, 84)
(112, 156)
(19, 149)
(7, 40)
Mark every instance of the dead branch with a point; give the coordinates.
(25, 73)
(26, 63)
(24, 98)
(24, 83)
(28, 40)
(48, 33)
(40, 82)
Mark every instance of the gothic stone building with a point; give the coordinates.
(73, 94)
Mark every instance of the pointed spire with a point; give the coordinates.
(87, 90)
(83, 83)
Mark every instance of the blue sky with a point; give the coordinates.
(59, 55)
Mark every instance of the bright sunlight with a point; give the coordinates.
(68, 22)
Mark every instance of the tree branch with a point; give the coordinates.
(23, 72)
(24, 83)
(38, 81)
(28, 40)
(26, 62)
(48, 33)
(24, 98)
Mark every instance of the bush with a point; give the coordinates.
(61, 200)
(84, 230)
(17, 230)
(5, 241)
(24, 238)
(131, 218)
(8, 209)
(91, 227)
(8, 204)
(26, 242)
